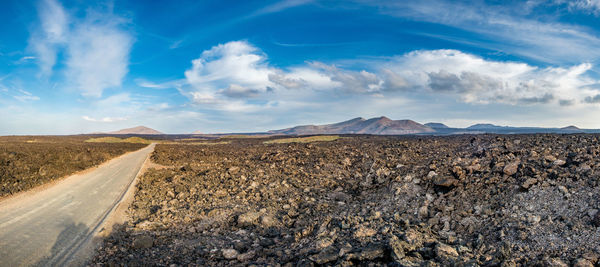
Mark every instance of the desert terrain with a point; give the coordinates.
(30, 161)
(462, 200)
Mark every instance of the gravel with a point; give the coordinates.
(404, 201)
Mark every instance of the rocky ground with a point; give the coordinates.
(403, 201)
(29, 161)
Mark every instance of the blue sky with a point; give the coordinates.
(238, 66)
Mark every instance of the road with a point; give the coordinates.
(48, 227)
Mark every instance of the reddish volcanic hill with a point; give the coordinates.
(380, 126)
(137, 130)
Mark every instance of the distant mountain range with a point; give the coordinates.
(386, 126)
(141, 130)
(380, 126)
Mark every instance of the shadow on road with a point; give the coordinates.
(66, 243)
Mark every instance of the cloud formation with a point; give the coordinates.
(590, 6)
(52, 33)
(233, 69)
(236, 76)
(509, 26)
(477, 80)
(105, 119)
(96, 47)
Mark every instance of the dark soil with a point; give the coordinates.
(401, 201)
(27, 162)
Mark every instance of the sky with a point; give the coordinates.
(69, 67)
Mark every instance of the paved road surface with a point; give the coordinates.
(48, 227)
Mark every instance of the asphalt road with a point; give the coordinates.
(50, 226)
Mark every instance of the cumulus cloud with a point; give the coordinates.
(236, 76)
(237, 91)
(234, 69)
(592, 99)
(477, 80)
(96, 47)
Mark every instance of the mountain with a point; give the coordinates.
(379, 126)
(485, 126)
(572, 129)
(436, 125)
(137, 130)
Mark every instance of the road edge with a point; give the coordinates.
(116, 215)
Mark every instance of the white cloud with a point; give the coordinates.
(105, 119)
(25, 59)
(52, 33)
(591, 6)
(148, 84)
(98, 57)
(96, 47)
(231, 70)
(26, 98)
(236, 77)
(235, 62)
(279, 6)
(510, 30)
(476, 80)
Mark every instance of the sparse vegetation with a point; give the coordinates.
(111, 139)
(310, 139)
(243, 136)
(197, 143)
(208, 143)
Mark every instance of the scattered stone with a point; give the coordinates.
(324, 243)
(529, 182)
(581, 262)
(398, 247)
(229, 253)
(248, 218)
(369, 253)
(413, 239)
(596, 220)
(423, 212)
(363, 231)
(339, 196)
(555, 262)
(445, 253)
(143, 241)
(511, 168)
(325, 256)
(266, 221)
(244, 257)
(445, 181)
(233, 170)
(291, 205)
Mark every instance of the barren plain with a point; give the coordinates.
(489, 200)
(30, 161)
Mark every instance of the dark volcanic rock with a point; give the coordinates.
(482, 200)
